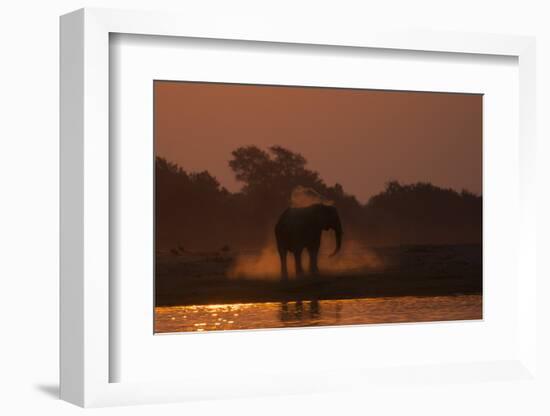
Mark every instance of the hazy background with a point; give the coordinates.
(400, 167)
(360, 139)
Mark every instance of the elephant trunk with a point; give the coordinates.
(338, 235)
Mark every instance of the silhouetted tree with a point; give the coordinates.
(422, 213)
(194, 210)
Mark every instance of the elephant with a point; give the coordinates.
(300, 228)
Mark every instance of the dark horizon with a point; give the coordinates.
(195, 210)
(242, 186)
(359, 138)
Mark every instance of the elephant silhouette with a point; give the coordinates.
(300, 229)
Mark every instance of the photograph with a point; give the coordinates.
(279, 206)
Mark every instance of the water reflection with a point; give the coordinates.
(300, 311)
(316, 313)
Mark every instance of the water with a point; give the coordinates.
(316, 313)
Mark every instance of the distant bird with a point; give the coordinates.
(174, 252)
(181, 249)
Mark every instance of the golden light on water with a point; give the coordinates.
(218, 317)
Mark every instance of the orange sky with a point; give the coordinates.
(358, 138)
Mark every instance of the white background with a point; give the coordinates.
(29, 209)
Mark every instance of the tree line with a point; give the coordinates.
(194, 211)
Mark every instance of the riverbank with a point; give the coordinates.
(200, 279)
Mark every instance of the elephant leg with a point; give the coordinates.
(313, 255)
(298, 262)
(284, 271)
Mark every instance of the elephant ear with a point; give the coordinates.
(326, 213)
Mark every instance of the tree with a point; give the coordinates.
(195, 210)
(252, 166)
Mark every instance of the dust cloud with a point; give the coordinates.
(302, 197)
(353, 258)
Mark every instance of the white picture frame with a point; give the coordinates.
(86, 356)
